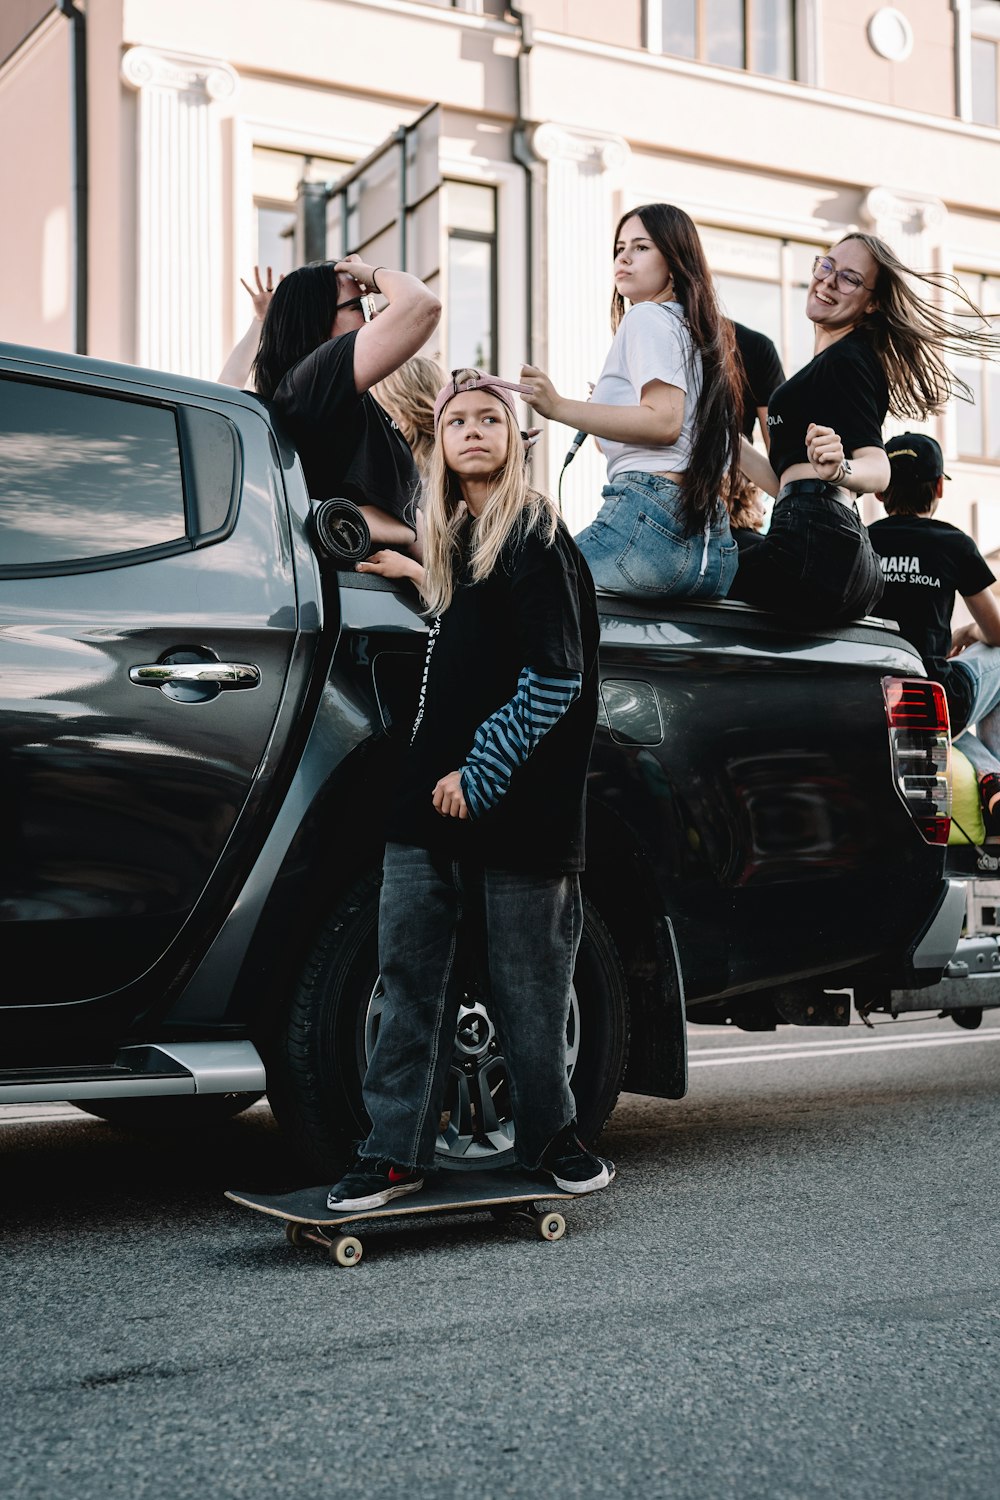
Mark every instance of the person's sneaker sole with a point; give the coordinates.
(374, 1200)
(592, 1184)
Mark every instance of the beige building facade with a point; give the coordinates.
(491, 150)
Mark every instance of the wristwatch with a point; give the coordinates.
(845, 470)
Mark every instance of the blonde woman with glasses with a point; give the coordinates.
(487, 822)
(880, 347)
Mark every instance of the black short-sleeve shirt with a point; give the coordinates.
(925, 563)
(350, 448)
(762, 372)
(536, 609)
(843, 387)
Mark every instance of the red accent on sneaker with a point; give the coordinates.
(398, 1174)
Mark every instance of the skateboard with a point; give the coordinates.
(509, 1196)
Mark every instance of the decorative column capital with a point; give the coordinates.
(893, 214)
(145, 67)
(608, 153)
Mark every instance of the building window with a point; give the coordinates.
(755, 35)
(475, 7)
(471, 211)
(977, 426)
(762, 281)
(276, 179)
(985, 62)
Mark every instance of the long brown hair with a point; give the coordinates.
(911, 334)
(715, 451)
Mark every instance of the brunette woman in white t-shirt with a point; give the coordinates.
(667, 410)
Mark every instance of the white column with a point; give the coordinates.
(582, 173)
(179, 208)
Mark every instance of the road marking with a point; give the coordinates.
(709, 1057)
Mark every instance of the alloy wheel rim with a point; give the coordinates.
(477, 1125)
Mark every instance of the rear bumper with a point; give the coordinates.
(936, 945)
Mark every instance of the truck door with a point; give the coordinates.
(148, 630)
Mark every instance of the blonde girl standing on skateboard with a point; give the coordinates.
(487, 823)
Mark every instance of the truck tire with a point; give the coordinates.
(317, 1063)
(179, 1112)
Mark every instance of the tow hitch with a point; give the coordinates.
(969, 985)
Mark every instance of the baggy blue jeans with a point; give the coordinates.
(982, 664)
(637, 544)
(531, 927)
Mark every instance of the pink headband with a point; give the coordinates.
(492, 383)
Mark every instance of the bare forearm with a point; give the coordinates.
(410, 303)
(757, 468)
(621, 424)
(236, 370)
(869, 473)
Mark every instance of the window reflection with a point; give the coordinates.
(725, 38)
(82, 476)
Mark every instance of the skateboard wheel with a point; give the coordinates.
(346, 1250)
(550, 1226)
(294, 1235)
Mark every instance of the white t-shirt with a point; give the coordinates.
(652, 343)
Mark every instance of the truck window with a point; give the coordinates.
(84, 476)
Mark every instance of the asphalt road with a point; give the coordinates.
(791, 1291)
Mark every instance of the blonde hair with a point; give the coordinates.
(911, 334)
(408, 396)
(512, 508)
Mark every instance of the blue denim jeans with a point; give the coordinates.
(529, 927)
(636, 544)
(982, 664)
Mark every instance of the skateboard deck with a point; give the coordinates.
(507, 1195)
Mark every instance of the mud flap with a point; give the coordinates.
(658, 1052)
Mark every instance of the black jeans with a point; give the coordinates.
(815, 562)
(531, 926)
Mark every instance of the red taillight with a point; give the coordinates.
(920, 742)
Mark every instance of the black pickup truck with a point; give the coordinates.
(199, 721)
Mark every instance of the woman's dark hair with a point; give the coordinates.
(715, 456)
(297, 321)
(912, 334)
(909, 497)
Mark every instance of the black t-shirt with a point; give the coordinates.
(350, 448)
(843, 387)
(762, 372)
(924, 564)
(536, 609)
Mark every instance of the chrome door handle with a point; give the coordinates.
(220, 674)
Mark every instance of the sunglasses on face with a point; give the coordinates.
(366, 302)
(845, 281)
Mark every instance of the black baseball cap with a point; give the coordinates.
(915, 456)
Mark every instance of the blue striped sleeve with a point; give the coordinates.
(506, 739)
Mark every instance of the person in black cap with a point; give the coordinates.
(925, 563)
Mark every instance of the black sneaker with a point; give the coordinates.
(572, 1167)
(370, 1184)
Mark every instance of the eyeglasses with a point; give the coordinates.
(364, 302)
(844, 281)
